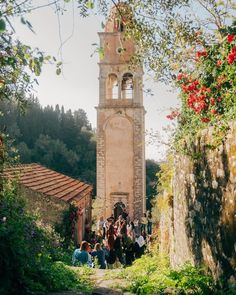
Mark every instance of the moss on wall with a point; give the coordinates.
(204, 206)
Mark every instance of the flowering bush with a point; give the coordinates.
(208, 92)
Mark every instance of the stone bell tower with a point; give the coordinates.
(120, 122)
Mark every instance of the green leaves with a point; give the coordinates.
(58, 71)
(2, 25)
(151, 274)
(90, 4)
(100, 51)
(27, 23)
(102, 25)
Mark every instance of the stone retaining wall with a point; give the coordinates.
(203, 213)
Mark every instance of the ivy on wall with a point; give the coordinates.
(66, 228)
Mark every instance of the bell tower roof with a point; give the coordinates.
(120, 15)
(117, 47)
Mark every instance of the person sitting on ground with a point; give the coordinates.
(100, 256)
(90, 262)
(81, 256)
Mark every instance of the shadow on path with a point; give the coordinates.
(106, 291)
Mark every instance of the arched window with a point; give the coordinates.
(127, 86)
(112, 87)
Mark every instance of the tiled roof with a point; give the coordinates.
(48, 182)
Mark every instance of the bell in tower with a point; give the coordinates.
(120, 122)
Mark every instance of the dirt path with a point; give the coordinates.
(106, 285)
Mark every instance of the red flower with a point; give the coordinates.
(204, 53)
(219, 99)
(198, 33)
(219, 62)
(199, 107)
(212, 101)
(180, 76)
(205, 89)
(213, 111)
(230, 38)
(231, 57)
(234, 49)
(199, 54)
(205, 120)
(184, 88)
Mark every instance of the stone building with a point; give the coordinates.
(120, 122)
(49, 194)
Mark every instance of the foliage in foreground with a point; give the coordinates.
(29, 255)
(151, 274)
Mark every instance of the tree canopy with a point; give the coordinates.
(61, 140)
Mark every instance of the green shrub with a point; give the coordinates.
(152, 274)
(29, 254)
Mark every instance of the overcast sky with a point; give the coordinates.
(78, 86)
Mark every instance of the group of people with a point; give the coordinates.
(116, 242)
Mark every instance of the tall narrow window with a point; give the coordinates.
(112, 87)
(127, 86)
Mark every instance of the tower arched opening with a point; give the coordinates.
(127, 86)
(112, 87)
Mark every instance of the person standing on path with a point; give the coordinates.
(144, 222)
(100, 224)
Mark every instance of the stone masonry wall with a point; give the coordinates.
(139, 164)
(203, 229)
(135, 150)
(49, 209)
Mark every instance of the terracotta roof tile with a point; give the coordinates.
(74, 194)
(48, 182)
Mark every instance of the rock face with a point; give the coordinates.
(202, 225)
